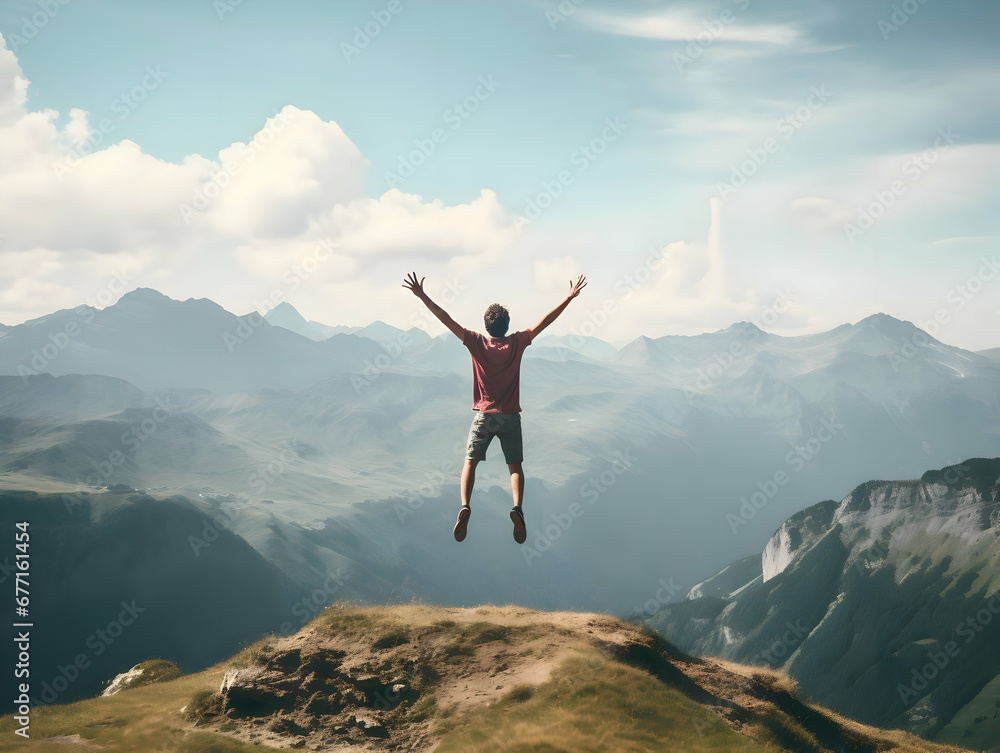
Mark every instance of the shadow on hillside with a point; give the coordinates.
(791, 722)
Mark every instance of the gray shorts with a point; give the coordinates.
(485, 426)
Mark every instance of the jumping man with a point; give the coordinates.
(496, 376)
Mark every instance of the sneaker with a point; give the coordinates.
(520, 530)
(463, 522)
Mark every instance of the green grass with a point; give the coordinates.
(520, 693)
(203, 704)
(137, 720)
(476, 633)
(156, 670)
(974, 725)
(342, 619)
(424, 710)
(204, 742)
(253, 654)
(391, 638)
(596, 705)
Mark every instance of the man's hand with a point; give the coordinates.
(576, 287)
(574, 291)
(412, 284)
(417, 286)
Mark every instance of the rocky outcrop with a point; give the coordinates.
(145, 673)
(123, 681)
(299, 691)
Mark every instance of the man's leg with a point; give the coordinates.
(468, 479)
(475, 451)
(517, 488)
(513, 452)
(516, 482)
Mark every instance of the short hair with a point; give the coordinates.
(497, 319)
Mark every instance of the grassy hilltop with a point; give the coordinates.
(416, 678)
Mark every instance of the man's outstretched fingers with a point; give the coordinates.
(411, 284)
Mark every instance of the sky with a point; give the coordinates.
(797, 164)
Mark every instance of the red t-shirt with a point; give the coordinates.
(496, 370)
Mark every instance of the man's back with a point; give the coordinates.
(496, 370)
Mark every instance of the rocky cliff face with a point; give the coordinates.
(884, 606)
(880, 517)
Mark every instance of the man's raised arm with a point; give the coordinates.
(418, 290)
(574, 291)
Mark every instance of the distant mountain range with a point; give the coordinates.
(156, 342)
(684, 452)
(884, 606)
(285, 315)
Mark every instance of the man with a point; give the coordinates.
(496, 371)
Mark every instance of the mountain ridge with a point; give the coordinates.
(887, 325)
(873, 585)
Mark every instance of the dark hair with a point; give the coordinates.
(497, 320)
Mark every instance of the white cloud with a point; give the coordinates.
(687, 288)
(13, 87)
(78, 129)
(232, 227)
(397, 225)
(933, 178)
(684, 26)
(552, 276)
(818, 213)
(296, 166)
(963, 241)
(906, 187)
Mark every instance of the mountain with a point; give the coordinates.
(992, 353)
(591, 347)
(386, 334)
(677, 433)
(154, 341)
(420, 678)
(883, 606)
(119, 575)
(319, 477)
(287, 316)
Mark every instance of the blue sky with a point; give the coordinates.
(820, 108)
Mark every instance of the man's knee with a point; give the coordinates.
(514, 468)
